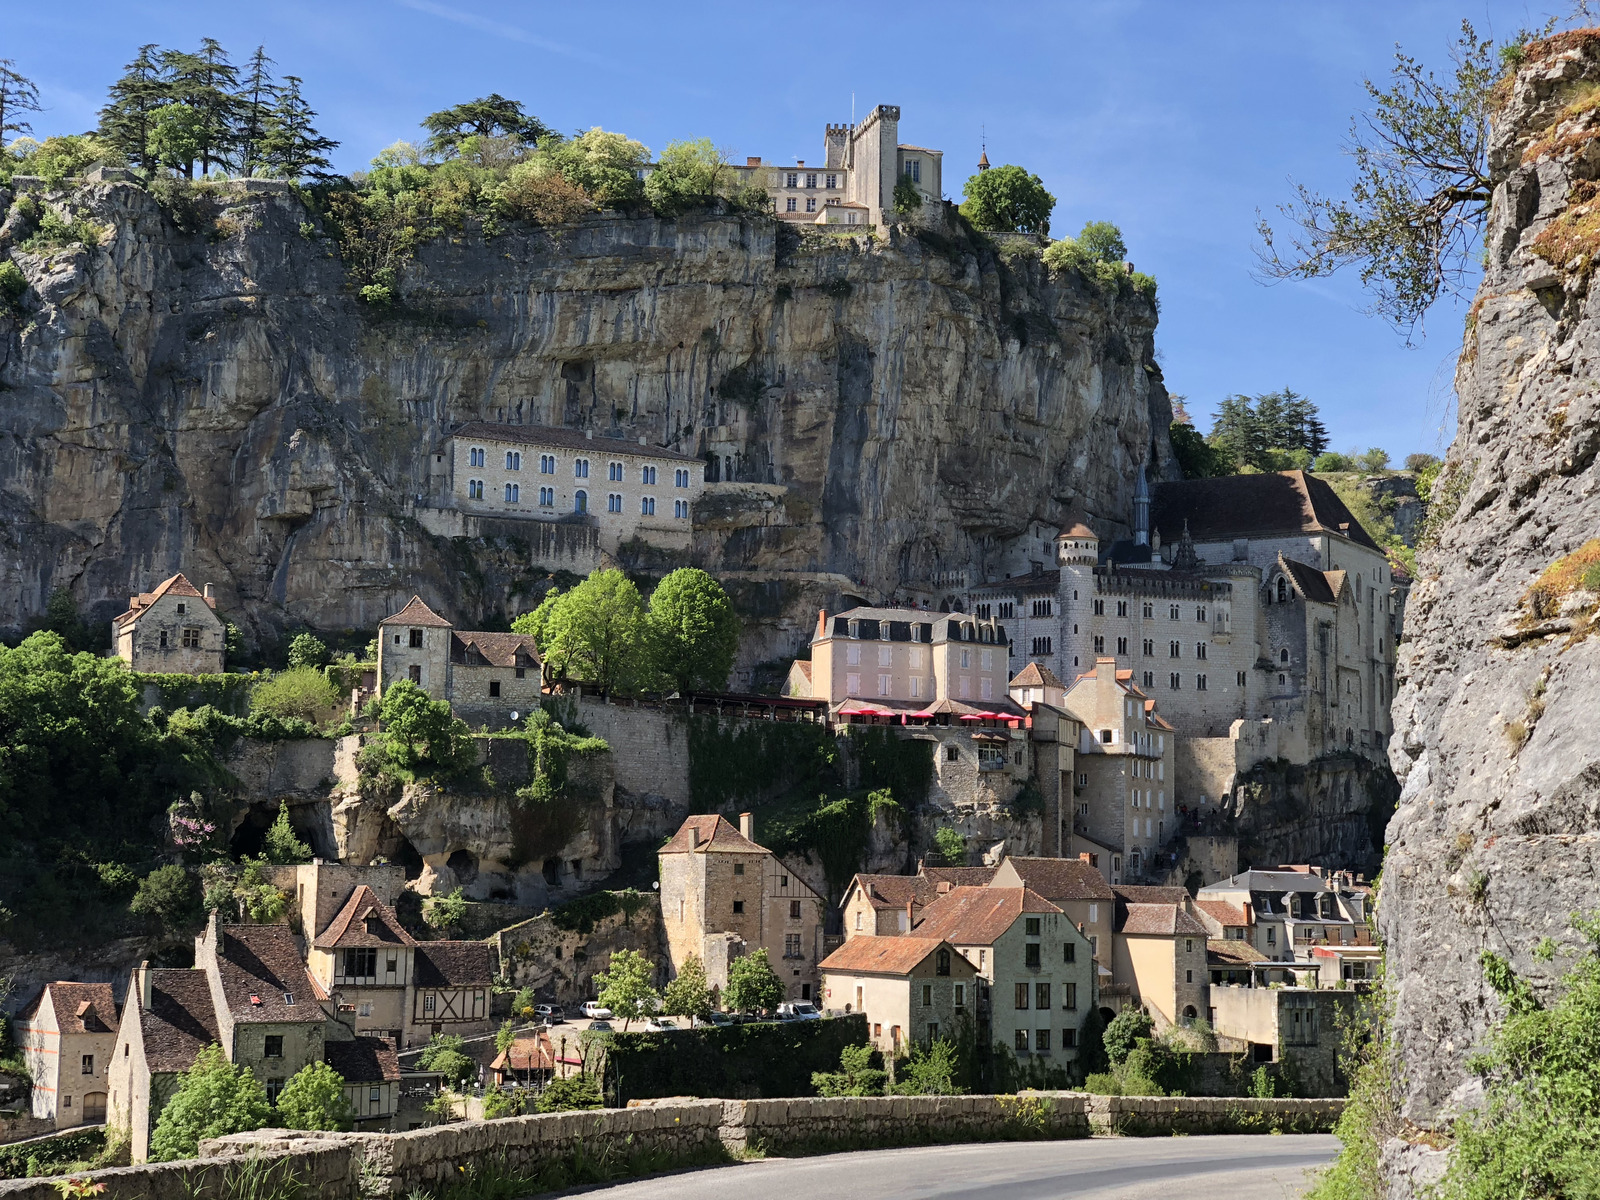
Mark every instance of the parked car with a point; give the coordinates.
(718, 1018)
(594, 1010)
(798, 1010)
(660, 1025)
(600, 1025)
(550, 1014)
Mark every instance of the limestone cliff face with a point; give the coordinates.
(891, 408)
(1497, 835)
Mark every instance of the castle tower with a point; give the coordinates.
(835, 143)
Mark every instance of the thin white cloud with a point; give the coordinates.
(501, 30)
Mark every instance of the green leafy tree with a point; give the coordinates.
(281, 845)
(258, 94)
(930, 1070)
(445, 911)
(302, 692)
(907, 196)
(422, 735)
(1102, 241)
(177, 133)
(314, 1099)
(689, 174)
(688, 994)
(1092, 1057)
(627, 987)
(1374, 460)
(205, 82)
(570, 1094)
(291, 146)
(693, 632)
(1008, 200)
(214, 1098)
(488, 116)
(504, 1036)
(1126, 1030)
(169, 897)
(259, 899)
(446, 1054)
(128, 119)
(753, 986)
(1421, 192)
(1332, 461)
(595, 631)
(522, 1004)
(856, 1075)
(604, 165)
(307, 650)
(1197, 458)
(19, 96)
(951, 844)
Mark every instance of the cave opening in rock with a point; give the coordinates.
(464, 863)
(405, 854)
(552, 871)
(250, 839)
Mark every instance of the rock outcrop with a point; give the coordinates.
(1497, 835)
(884, 411)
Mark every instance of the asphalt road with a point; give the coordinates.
(1259, 1167)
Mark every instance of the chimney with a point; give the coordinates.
(822, 622)
(210, 594)
(144, 985)
(909, 914)
(753, 162)
(747, 825)
(799, 162)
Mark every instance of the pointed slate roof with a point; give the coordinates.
(364, 920)
(416, 613)
(1322, 586)
(261, 970)
(1034, 675)
(495, 649)
(364, 1060)
(453, 964)
(78, 1007)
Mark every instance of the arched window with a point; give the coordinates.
(580, 502)
(1283, 590)
(1283, 655)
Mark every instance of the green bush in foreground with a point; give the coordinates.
(214, 1098)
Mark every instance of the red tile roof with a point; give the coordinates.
(180, 1021)
(709, 832)
(978, 916)
(1033, 675)
(1222, 912)
(495, 649)
(453, 964)
(960, 876)
(78, 1007)
(261, 968)
(364, 920)
(1062, 878)
(885, 955)
(416, 613)
(176, 586)
(895, 891)
(567, 439)
(528, 1052)
(1162, 920)
(364, 1060)
(1237, 506)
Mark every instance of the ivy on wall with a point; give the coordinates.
(226, 693)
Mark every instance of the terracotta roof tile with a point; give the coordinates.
(567, 439)
(364, 920)
(1232, 952)
(453, 964)
(364, 1060)
(1133, 894)
(178, 585)
(528, 1052)
(180, 1021)
(1062, 878)
(1167, 920)
(960, 876)
(496, 649)
(885, 955)
(894, 891)
(977, 916)
(709, 832)
(261, 967)
(416, 613)
(1222, 912)
(1033, 675)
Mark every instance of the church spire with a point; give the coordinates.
(983, 153)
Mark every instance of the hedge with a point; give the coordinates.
(226, 693)
(737, 1062)
(46, 1155)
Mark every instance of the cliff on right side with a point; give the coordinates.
(1496, 840)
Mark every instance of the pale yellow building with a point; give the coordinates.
(67, 1036)
(909, 660)
(913, 989)
(1160, 955)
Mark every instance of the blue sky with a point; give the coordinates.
(1175, 120)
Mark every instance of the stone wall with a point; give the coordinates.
(376, 1166)
(560, 965)
(650, 757)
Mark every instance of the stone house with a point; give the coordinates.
(1036, 972)
(384, 983)
(860, 166)
(370, 1068)
(908, 660)
(1292, 910)
(1300, 1028)
(485, 676)
(913, 989)
(1123, 789)
(67, 1036)
(1073, 886)
(886, 905)
(173, 630)
(1160, 955)
(723, 895)
(622, 490)
(167, 1019)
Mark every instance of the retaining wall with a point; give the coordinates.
(383, 1166)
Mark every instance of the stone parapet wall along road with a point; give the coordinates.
(379, 1166)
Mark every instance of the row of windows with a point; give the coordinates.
(191, 639)
(792, 179)
(1039, 993)
(512, 494)
(1174, 648)
(1174, 611)
(616, 472)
